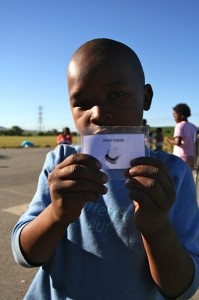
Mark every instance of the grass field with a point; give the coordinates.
(44, 141)
(38, 141)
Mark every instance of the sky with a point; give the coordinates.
(38, 38)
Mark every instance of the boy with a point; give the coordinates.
(97, 238)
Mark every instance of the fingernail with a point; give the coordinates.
(99, 165)
(105, 189)
(104, 178)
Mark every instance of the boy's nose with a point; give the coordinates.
(100, 116)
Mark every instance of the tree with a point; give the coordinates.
(15, 130)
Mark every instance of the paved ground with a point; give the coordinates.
(19, 170)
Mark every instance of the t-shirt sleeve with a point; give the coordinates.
(178, 130)
(185, 218)
(40, 200)
(184, 214)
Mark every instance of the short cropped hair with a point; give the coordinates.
(104, 47)
(182, 109)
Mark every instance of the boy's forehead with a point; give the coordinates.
(90, 63)
(89, 69)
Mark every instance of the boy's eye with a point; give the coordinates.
(117, 94)
(84, 104)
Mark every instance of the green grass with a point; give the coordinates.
(50, 141)
(38, 141)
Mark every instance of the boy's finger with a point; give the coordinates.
(81, 159)
(140, 186)
(82, 185)
(154, 169)
(76, 171)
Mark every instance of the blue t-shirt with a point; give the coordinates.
(101, 255)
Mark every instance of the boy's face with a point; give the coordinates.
(106, 92)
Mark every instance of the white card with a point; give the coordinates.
(114, 151)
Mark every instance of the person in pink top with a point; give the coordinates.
(185, 135)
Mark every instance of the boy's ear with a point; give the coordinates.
(148, 95)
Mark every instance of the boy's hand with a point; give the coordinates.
(74, 182)
(153, 193)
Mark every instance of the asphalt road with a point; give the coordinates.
(19, 170)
